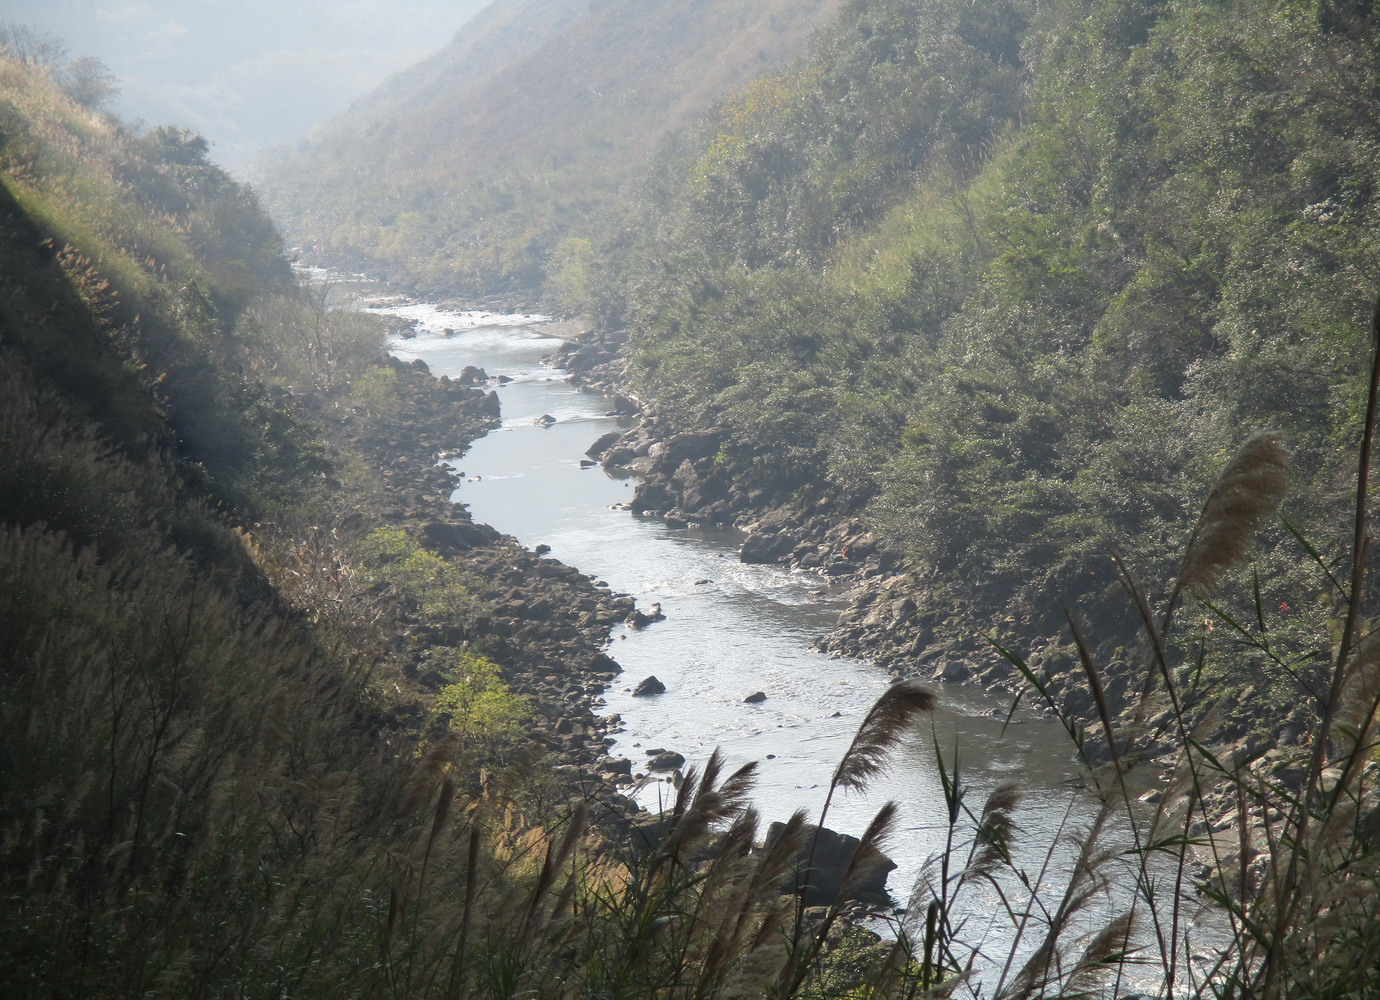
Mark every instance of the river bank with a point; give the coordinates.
(683, 482)
(910, 621)
(545, 624)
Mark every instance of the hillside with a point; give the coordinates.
(277, 719)
(244, 636)
(1008, 282)
(464, 173)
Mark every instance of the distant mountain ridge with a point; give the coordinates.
(466, 171)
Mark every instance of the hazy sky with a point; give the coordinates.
(247, 74)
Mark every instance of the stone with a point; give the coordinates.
(668, 761)
(766, 547)
(649, 686)
(832, 854)
(603, 443)
(756, 698)
(652, 496)
(691, 445)
(457, 535)
(616, 765)
(489, 404)
(641, 619)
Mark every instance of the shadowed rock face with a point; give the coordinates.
(832, 855)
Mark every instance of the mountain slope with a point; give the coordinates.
(465, 172)
(1007, 281)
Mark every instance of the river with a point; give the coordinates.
(733, 629)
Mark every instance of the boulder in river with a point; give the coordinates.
(489, 404)
(641, 619)
(668, 761)
(652, 496)
(603, 444)
(767, 547)
(545, 420)
(649, 686)
(756, 698)
(831, 858)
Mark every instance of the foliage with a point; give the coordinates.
(434, 586)
(475, 702)
(1010, 277)
(86, 80)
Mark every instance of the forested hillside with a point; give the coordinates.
(462, 173)
(1011, 280)
(249, 652)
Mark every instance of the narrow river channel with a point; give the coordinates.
(732, 630)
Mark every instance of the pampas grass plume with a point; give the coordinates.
(1246, 493)
(886, 722)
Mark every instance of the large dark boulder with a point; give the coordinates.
(690, 446)
(489, 405)
(831, 858)
(668, 761)
(603, 444)
(457, 535)
(767, 547)
(649, 686)
(651, 496)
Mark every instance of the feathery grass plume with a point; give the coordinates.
(444, 800)
(557, 853)
(1087, 881)
(882, 728)
(708, 805)
(778, 863)
(434, 768)
(992, 847)
(868, 854)
(1108, 952)
(1360, 699)
(1246, 493)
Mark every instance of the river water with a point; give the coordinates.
(733, 629)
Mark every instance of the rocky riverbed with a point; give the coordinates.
(545, 623)
(907, 618)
